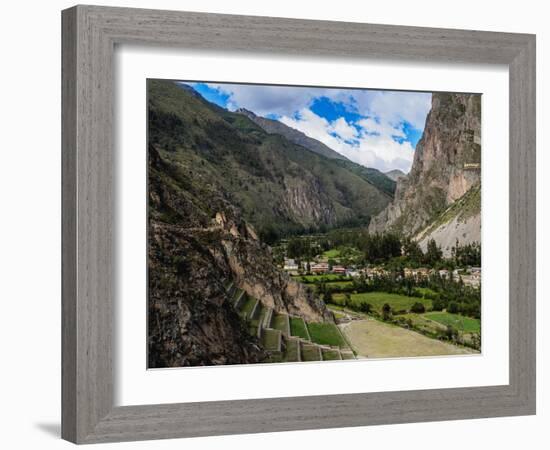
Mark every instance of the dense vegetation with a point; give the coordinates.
(357, 246)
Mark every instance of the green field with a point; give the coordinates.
(247, 307)
(270, 339)
(310, 353)
(338, 284)
(280, 322)
(326, 334)
(378, 299)
(332, 253)
(324, 277)
(426, 291)
(257, 319)
(298, 327)
(461, 323)
(330, 355)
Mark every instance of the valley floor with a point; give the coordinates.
(371, 338)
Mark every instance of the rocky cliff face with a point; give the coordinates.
(193, 254)
(461, 221)
(446, 166)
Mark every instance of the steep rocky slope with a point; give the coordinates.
(192, 255)
(461, 221)
(446, 166)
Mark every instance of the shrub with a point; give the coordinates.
(365, 307)
(418, 308)
(386, 312)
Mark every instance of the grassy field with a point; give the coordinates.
(310, 353)
(378, 299)
(280, 322)
(374, 339)
(325, 334)
(330, 355)
(298, 327)
(324, 277)
(291, 351)
(339, 284)
(461, 323)
(426, 291)
(332, 253)
(270, 339)
(247, 306)
(257, 319)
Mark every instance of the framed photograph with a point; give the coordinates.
(268, 230)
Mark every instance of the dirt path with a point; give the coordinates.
(371, 338)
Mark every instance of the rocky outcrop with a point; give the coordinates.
(446, 165)
(461, 221)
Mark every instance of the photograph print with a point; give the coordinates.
(291, 224)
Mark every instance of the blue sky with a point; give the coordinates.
(374, 128)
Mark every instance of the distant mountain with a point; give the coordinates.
(441, 196)
(395, 174)
(372, 176)
(297, 137)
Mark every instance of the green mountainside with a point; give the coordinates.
(276, 185)
(371, 175)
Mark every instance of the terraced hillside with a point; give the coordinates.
(287, 338)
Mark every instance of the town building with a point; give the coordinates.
(290, 265)
(321, 267)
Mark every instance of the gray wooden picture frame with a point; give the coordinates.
(90, 34)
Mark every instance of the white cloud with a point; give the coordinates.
(369, 141)
(371, 125)
(393, 107)
(379, 150)
(342, 128)
(264, 100)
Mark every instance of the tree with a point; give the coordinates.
(451, 333)
(386, 312)
(365, 307)
(347, 299)
(418, 308)
(433, 253)
(327, 297)
(412, 251)
(453, 308)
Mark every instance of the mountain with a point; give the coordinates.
(446, 169)
(297, 137)
(278, 186)
(371, 175)
(219, 187)
(395, 174)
